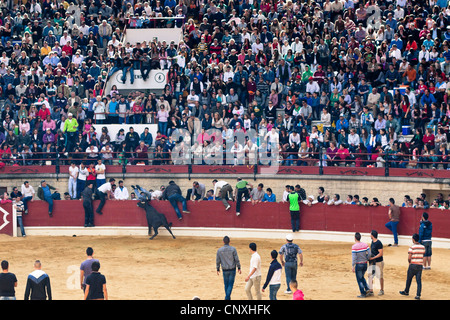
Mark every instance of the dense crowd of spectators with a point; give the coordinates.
(359, 82)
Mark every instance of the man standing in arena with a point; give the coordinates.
(415, 260)
(291, 256)
(254, 277)
(8, 283)
(86, 267)
(376, 263)
(425, 232)
(227, 258)
(38, 284)
(360, 257)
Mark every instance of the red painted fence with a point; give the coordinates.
(212, 214)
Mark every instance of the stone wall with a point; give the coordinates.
(381, 187)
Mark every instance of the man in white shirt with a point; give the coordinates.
(121, 192)
(336, 200)
(27, 194)
(237, 152)
(226, 192)
(297, 45)
(192, 98)
(81, 179)
(399, 13)
(73, 176)
(102, 193)
(411, 96)
(353, 140)
(100, 169)
(395, 52)
(228, 74)
(312, 86)
(254, 277)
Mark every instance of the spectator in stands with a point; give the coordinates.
(334, 63)
(257, 194)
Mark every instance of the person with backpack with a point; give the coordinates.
(291, 256)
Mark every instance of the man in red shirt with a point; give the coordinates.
(43, 112)
(297, 293)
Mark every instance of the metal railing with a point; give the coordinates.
(205, 157)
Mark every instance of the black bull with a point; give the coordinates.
(155, 219)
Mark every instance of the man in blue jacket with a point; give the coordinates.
(273, 279)
(425, 231)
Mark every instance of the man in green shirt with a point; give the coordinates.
(70, 129)
(241, 190)
(294, 208)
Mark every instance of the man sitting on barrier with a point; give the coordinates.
(44, 192)
(173, 193)
(102, 192)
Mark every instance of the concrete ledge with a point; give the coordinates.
(309, 235)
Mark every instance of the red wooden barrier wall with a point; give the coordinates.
(321, 217)
(6, 226)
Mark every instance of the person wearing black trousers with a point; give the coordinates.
(38, 284)
(86, 196)
(102, 192)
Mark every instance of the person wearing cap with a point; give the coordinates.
(291, 256)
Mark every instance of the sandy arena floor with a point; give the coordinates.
(161, 269)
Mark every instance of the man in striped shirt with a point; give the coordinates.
(360, 257)
(415, 260)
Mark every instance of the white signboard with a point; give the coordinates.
(156, 81)
(149, 34)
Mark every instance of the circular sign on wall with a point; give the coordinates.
(160, 77)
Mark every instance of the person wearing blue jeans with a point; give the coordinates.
(19, 206)
(360, 270)
(273, 279)
(228, 281)
(290, 254)
(173, 193)
(45, 193)
(25, 204)
(360, 258)
(128, 66)
(227, 258)
(174, 199)
(394, 218)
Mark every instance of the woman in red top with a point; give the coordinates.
(428, 138)
(91, 173)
